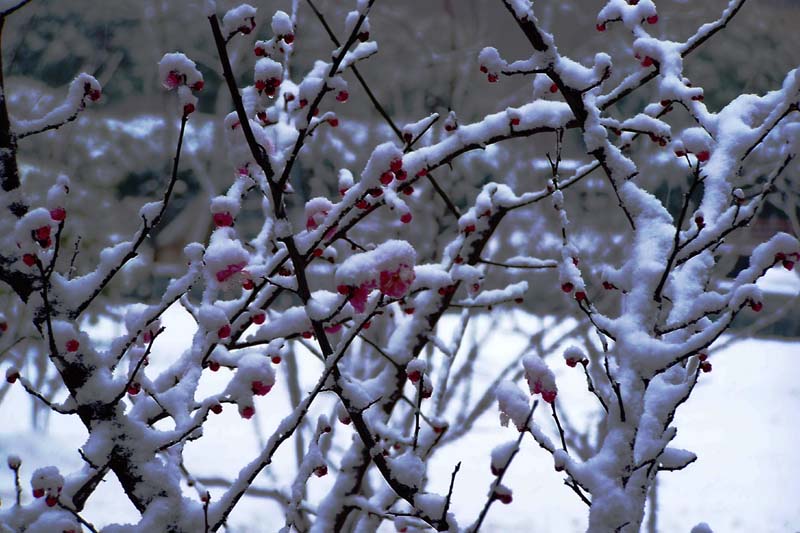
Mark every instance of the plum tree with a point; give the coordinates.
(360, 277)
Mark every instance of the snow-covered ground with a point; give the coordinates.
(742, 421)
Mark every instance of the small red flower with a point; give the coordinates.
(395, 284)
(387, 177)
(58, 214)
(259, 388)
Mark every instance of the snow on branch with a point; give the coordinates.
(82, 90)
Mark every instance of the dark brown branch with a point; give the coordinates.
(687, 197)
(260, 155)
(560, 428)
(75, 513)
(49, 127)
(147, 227)
(8, 141)
(450, 492)
(86, 490)
(383, 113)
(36, 394)
(312, 108)
(12, 9)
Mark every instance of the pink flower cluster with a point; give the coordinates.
(540, 378)
(538, 388)
(392, 283)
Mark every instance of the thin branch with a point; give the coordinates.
(17, 485)
(450, 492)
(626, 88)
(383, 113)
(545, 264)
(477, 525)
(49, 127)
(260, 155)
(72, 268)
(139, 364)
(12, 9)
(418, 409)
(560, 428)
(687, 197)
(314, 105)
(147, 227)
(28, 386)
(75, 513)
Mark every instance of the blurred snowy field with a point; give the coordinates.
(742, 421)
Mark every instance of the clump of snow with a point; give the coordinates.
(239, 19)
(513, 403)
(389, 268)
(501, 455)
(281, 24)
(408, 469)
(540, 378)
(225, 257)
(176, 70)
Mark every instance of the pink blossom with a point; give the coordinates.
(549, 395)
(223, 219)
(396, 283)
(358, 299)
(317, 210)
(229, 271)
(173, 80)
